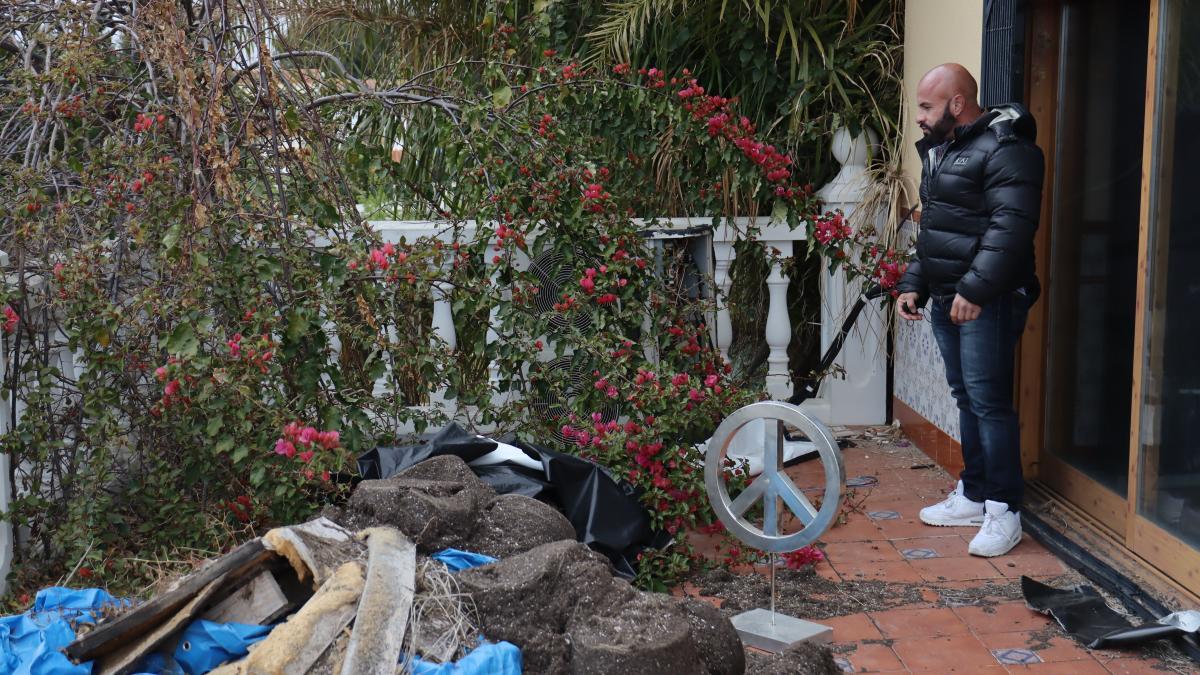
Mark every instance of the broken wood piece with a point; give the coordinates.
(315, 549)
(123, 660)
(382, 617)
(259, 602)
(295, 645)
(110, 636)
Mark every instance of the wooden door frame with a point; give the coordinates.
(1106, 506)
(1144, 537)
(1134, 532)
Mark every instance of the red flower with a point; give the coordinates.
(10, 319)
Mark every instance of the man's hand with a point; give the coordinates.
(906, 306)
(963, 310)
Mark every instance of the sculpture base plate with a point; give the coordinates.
(757, 630)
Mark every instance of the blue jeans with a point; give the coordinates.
(980, 356)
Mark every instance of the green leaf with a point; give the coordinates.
(182, 341)
(780, 212)
(223, 445)
(501, 96)
(171, 237)
(214, 425)
(297, 324)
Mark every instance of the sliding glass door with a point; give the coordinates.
(1164, 524)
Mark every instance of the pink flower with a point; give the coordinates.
(10, 319)
(285, 448)
(308, 435)
(606, 299)
(291, 431)
(588, 285)
(306, 456)
(329, 439)
(161, 373)
(597, 417)
(696, 395)
(679, 379)
(611, 392)
(389, 249)
(379, 259)
(172, 388)
(710, 380)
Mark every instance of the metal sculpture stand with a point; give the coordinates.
(762, 628)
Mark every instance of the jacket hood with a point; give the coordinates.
(1009, 121)
(1012, 119)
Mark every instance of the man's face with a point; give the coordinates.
(935, 121)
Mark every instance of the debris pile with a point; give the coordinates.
(358, 591)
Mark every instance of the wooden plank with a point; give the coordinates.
(260, 601)
(110, 636)
(295, 645)
(129, 654)
(1043, 86)
(1165, 551)
(1101, 503)
(1153, 237)
(382, 617)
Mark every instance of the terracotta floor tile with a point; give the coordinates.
(949, 546)
(861, 551)
(956, 653)
(911, 623)
(954, 569)
(1032, 564)
(1052, 650)
(895, 571)
(825, 570)
(856, 528)
(1136, 666)
(1082, 667)
(852, 628)
(909, 527)
(873, 657)
(1005, 617)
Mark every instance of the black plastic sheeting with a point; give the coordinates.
(1085, 616)
(606, 513)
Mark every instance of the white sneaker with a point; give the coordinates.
(956, 511)
(1001, 531)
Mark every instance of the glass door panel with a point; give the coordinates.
(1169, 446)
(1092, 289)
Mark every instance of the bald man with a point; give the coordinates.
(981, 194)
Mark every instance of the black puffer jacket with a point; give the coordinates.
(979, 211)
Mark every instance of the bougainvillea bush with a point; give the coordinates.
(202, 333)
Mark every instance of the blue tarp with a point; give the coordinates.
(31, 643)
(460, 560)
(489, 658)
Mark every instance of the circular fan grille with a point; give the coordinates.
(561, 380)
(554, 275)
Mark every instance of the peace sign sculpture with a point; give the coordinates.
(773, 485)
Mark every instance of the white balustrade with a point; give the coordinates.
(859, 395)
(779, 324)
(858, 398)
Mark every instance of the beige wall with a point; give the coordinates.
(936, 31)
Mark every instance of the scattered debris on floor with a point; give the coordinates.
(428, 568)
(1085, 616)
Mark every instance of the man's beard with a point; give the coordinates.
(940, 131)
